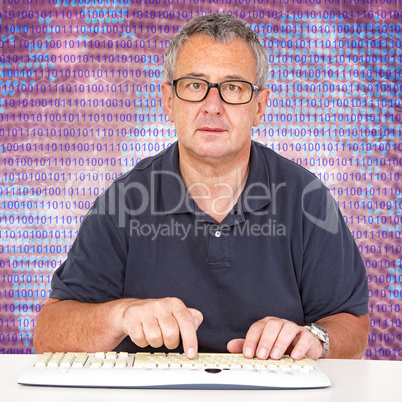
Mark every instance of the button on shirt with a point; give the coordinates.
(284, 250)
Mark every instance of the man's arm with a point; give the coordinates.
(348, 335)
(70, 325)
(273, 337)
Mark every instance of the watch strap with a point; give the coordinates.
(320, 334)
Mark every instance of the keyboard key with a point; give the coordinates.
(111, 355)
(96, 363)
(143, 360)
(68, 360)
(121, 362)
(44, 359)
(80, 359)
(56, 360)
(108, 363)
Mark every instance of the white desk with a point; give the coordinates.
(352, 380)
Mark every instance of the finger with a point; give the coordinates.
(188, 330)
(170, 332)
(268, 338)
(197, 316)
(286, 336)
(252, 339)
(306, 345)
(137, 335)
(235, 345)
(152, 332)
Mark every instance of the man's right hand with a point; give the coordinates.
(157, 322)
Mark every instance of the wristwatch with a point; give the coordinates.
(321, 334)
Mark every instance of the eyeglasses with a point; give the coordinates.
(234, 92)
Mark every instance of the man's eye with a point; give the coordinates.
(195, 85)
(233, 88)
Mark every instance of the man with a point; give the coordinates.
(217, 243)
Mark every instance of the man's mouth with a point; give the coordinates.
(212, 129)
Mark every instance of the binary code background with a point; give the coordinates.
(80, 104)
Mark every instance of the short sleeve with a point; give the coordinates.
(95, 265)
(334, 275)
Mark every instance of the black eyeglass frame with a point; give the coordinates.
(254, 88)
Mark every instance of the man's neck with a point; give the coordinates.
(215, 186)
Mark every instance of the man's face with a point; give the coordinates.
(212, 129)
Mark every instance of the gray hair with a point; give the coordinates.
(222, 28)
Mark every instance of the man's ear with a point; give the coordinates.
(167, 100)
(262, 101)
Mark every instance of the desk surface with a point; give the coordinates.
(363, 380)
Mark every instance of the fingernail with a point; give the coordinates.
(191, 353)
(262, 354)
(276, 353)
(296, 355)
(249, 353)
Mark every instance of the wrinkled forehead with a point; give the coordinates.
(202, 54)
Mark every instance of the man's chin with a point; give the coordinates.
(213, 152)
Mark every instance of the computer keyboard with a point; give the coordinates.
(172, 370)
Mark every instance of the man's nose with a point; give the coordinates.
(213, 103)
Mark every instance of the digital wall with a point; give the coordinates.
(80, 104)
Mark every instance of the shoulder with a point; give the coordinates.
(146, 166)
(142, 172)
(133, 186)
(295, 188)
(281, 169)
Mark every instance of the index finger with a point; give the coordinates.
(188, 321)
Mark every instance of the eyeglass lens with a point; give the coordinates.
(194, 89)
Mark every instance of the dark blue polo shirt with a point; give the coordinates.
(284, 249)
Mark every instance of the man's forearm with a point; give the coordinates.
(348, 335)
(75, 326)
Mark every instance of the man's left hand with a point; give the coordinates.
(273, 337)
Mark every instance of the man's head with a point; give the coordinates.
(222, 28)
(213, 93)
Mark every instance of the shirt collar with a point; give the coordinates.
(255, 195)
(174, 193)
(257, 191)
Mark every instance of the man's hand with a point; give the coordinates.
(158, 322)
(273, 337)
